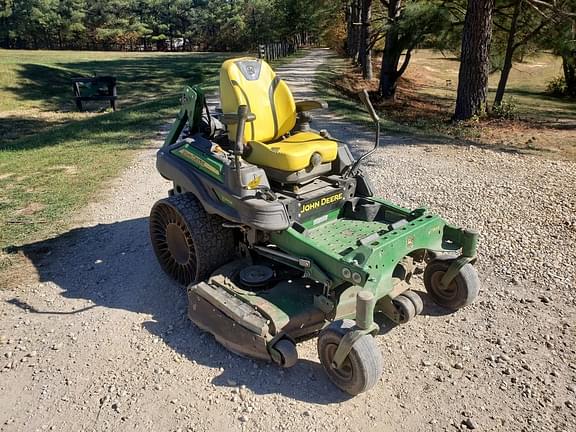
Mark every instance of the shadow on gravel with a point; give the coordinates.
(113, 266)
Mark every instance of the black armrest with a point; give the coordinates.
(310, 105)
(232, 118)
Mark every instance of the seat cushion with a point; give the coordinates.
(292, 154)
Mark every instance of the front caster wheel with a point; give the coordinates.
(287, 353)
(462, 290)
(416, 301)
(362, 368)
(405, 307)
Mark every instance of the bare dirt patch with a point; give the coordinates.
(31, 209)
(68, 169)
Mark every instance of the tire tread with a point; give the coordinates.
(213, 242)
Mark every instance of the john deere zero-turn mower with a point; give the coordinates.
(276, 232)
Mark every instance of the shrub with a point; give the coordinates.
(557, 87)
(507, 110)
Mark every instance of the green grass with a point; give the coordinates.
(53, 160)
(36, 89)
(46, 177)
(526, 84)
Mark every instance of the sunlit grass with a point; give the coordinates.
(54, 160)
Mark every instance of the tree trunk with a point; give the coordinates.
(391, 56)
(569, 66)
(355, 48)
(5, 34)
(510, 48)
(474, 60)
(365, 49)
(388, 73)
(349, 30)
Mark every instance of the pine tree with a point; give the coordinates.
(474, 60)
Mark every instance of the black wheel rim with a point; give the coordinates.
(345, 373)
(443, 293)
(402, 312)
(173, 244)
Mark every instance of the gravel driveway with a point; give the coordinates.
(95, 337)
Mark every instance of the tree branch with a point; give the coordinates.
(407, 58)
(530, 35)
(501, 27)
(556, 9)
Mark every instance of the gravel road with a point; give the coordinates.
(94, 337)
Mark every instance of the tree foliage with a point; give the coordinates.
(512, 29)
(157, 24)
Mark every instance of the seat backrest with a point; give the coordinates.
(252, 82)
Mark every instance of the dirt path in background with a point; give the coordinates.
(100, 339)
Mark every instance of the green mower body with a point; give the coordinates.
(271, 258)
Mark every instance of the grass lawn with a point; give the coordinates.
(36, 89)
(426, 99)
(52, 159)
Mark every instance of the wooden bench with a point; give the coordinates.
(94, 89)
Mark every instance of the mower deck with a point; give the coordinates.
(354, 255)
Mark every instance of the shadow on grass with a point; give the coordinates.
(139, 79)
(108, 129)
(17, 127)
(60, 169)
(129, 278)
(47, 86)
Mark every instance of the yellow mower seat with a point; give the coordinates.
(292, 154)
(252, 82)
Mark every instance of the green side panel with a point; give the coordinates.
(176, 128)
(192, 104)
(189, 99)
(224, 198)
(205, 163)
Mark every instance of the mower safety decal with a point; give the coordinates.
(203, 162)
(321, 203)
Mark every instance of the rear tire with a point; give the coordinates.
(362, 368)
(188, 242)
